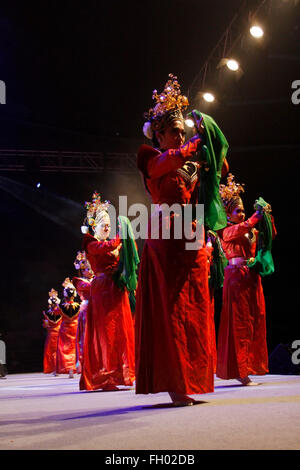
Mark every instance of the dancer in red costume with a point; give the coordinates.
(82, 285)
(108, 358)
(52, 321)
(173, 308)
(66, 346)
(242, 346)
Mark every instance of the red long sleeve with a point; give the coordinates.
(98, 247)
(274, 231)
(154, 164)
(234, 231)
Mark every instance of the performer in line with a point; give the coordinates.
(82, 284)
(66, 346)
(173, 308)
(51, 321)
(108, 357)
(217, 262)
(242, 345)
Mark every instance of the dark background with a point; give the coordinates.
(79, 76)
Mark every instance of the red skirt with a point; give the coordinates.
(173, 320)
(80, 334)
(66, 346)
(242, 345)
(108, 355)
(50, 348)
(213, 330)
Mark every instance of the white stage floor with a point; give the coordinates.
(50, 413)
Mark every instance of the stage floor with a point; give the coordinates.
(45, 412)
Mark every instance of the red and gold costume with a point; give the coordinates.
(82, 284)
(174, 321)
(209, 250)
(83, 288)
(51, 322)
(242, 345)
(66, 346)
(108, 357)
(173, 316)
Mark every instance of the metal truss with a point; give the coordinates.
(66, 162)
(225, 45)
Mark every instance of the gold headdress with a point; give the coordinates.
(81, 261)
(53, 293)
(67, 283)
(95, 209)
(168, 107)
(230, 193)
(69, 288)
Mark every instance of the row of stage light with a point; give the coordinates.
(256, 32)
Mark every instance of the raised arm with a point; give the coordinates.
(154, 164)
(234, 231)
(94, 247)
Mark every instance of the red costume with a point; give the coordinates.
(173, 315)
(83, 288)
(209, 250)
(108, 358)
(242, 347)
(66, 346)
(52, 323)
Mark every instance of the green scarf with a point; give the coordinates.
(126, 274)
(216, 278)
(263, 261)
(213, 152)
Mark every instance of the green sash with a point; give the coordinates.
(213, 152)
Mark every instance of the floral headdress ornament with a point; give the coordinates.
(230, 193)
(53, 294)
(169, 102)
(80, 261)
(67, 283)
(94, 209)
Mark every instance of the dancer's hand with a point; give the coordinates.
(198, 123)
(116, 251)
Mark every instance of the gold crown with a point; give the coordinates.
(171, 98)
(95, 207)
(81, 260)
(231, 190)
(81, 256)
(53, 293)
(67, 283)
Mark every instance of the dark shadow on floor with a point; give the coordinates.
(170, 405)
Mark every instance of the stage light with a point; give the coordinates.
(189, 122)
(209, 97)
(256, 31)
(232, 65)
(38, 185)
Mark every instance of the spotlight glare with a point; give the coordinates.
(256, 31)
(38, 185)
(232, 64)
(189, 122)
(209, 97)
